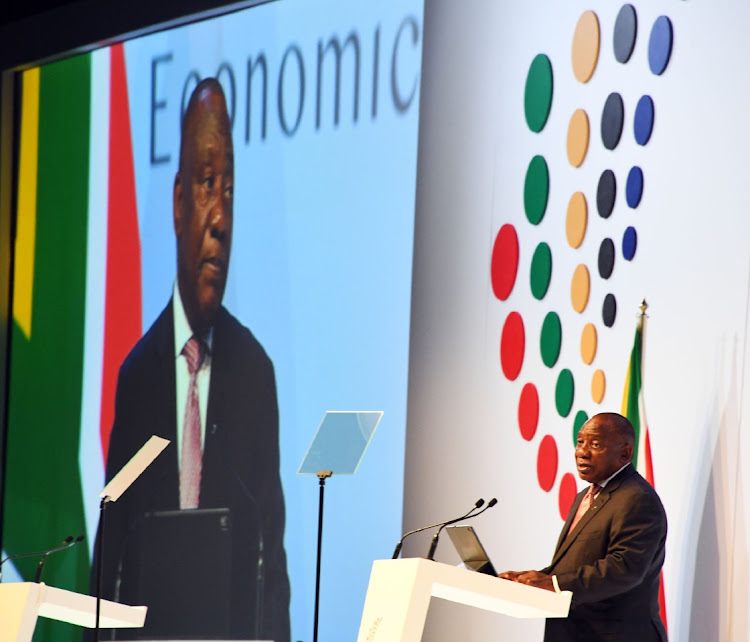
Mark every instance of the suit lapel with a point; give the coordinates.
(166, 402)
(571, 514)
(565, 542)
(217, 423)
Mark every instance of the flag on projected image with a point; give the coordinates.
(633, 408)
(76, 309)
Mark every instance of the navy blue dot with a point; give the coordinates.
(629, 243)
(609, 310)
(626, 28)
(612, 119)
(606, 258)
(605, 193)
(660, 45)
(634, 187)
(643, 123)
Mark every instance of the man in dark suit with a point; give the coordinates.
(611, 548)
(201, 379)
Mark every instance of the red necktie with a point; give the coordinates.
(584, 505)
(191, 456)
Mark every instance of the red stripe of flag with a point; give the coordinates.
(122, 308)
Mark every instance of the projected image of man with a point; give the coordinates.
(201, 379)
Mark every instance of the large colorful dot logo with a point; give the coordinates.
(615, 249)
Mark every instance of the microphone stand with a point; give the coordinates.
(478, 504)
(322, 476)
(469, 515)
(100, 562)
(69, 542)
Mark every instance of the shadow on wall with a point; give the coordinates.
(720, 587)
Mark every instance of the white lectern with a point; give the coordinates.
(22, 602)
(399, 594)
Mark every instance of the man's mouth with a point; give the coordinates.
(213, 265)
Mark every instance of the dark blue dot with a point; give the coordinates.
(643, 123)
(606, 258)
(634, 186)
(626, 28)
(605, 193)
(612, 119)
(629, 243)
(660, 45)
(609, 310)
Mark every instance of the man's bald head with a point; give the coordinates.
(203, 203)
(605, 444)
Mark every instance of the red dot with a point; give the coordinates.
(528, 411)
(546, 463)
(568, 492)
(512, 345)
(504, 262)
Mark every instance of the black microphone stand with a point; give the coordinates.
(469, 515)
(322, 476)
(100, 562)
(69, 542)
(397, 552)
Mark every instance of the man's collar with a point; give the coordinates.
(182, 329)
(611, 477)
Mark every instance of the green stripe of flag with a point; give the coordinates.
(631, 407)
(43, 500)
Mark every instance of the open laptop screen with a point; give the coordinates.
(470, 549)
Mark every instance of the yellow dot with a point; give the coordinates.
(576, 220)
(585, 52)
(588, 343)
(579, 288)
(578, 137)
(598, 386)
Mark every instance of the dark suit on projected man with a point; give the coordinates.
(612, 556)
(201, 379)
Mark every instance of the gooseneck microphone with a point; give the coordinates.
(436, 536)
(478, 504)
(66, 544)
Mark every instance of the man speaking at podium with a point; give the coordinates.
(201, 379)
(611, 548)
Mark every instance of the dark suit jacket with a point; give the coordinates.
(611, 561)
(240, 467)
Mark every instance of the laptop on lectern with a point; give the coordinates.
(470, 549)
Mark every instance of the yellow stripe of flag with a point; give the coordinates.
(23, 283)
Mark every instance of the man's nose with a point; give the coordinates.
(218, 219)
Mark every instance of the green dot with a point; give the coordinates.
(550, 339)
(537, 98)
(580, 419)
(541, 270)
(564, 392)
(536, 190)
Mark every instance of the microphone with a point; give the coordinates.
(478, 504)
(434, 543)
(67, 543)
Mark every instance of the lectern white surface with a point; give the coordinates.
(399, 594)
(22, 602)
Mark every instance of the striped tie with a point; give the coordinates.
(191, 457)
(584, 505)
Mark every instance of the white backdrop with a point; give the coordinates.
(692, 265)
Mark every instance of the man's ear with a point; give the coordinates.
(177, 205)
(627, 452)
